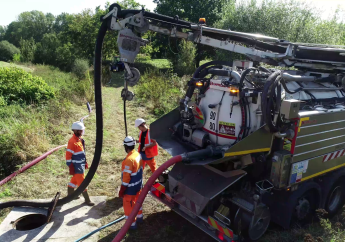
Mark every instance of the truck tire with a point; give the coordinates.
(335, 198)
(252, 232)
(305, 207)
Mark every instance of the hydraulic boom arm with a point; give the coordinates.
(132, 23)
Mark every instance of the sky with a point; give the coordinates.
(10, 9)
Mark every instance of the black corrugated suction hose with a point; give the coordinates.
(99, 133)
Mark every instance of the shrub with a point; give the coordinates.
(7, 51)
(184, 64)
(159, 91)
(67, 86)
(80, 68)
(2, 101)
(19, 86)
(16, 58)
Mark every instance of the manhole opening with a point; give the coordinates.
(29, 222)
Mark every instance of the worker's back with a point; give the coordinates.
(75, 154)
(132, 173)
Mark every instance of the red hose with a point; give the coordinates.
(27, 166)
(143, 194)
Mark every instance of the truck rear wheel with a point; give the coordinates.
(252, 226)
(335, 198)
(305, 207)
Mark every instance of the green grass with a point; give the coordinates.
(159, 63)
(29, 130)
(5, 64)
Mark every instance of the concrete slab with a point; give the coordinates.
(69, 223)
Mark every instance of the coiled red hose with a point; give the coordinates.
(143, 194)
(32, 163)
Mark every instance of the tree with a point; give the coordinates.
(129, 4)
(2, 32)
(46, 49)
(185, 61)
(27, 49)
(62, 22)
(192, 10)
(7, 51)
(291, 20)
(30, 24)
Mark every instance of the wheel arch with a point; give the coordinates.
(283, 207)
(326, 183)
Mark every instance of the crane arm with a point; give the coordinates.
(131, 24)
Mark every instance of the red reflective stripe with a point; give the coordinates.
(329, 156)
(335, 155)
(293, 143)
(220, 236)
(220, 135)
(324, 158)
(343, 152)
(220, 228)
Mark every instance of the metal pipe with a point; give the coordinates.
(298, 78)
(321, 88)
(288, 134)
(219, 72)
(234, 33)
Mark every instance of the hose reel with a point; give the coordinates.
(132, 76)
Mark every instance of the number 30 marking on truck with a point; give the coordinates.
(212, 117)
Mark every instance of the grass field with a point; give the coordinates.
(160, 224)
(5, 64)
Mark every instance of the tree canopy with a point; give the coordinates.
(60, 40)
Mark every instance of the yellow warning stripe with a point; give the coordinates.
(322, 172)
(226, 232)
(300, 122)
(214, 224)
(244, 152)
(220, 228)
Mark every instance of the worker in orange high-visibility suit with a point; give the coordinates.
(76, 160)
(148, 147)
(132, 180)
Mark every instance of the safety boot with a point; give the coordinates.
(140, 220)
(87, 199)
(70, 190)
(133, 226)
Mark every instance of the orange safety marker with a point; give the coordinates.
(221, 229)
(159, 188)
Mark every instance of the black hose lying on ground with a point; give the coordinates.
(99, 133)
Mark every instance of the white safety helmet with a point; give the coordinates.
(129, 141)
(139, 121)
(78, 126)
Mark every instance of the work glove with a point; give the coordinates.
(122, 191)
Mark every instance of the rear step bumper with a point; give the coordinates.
(199, 221)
